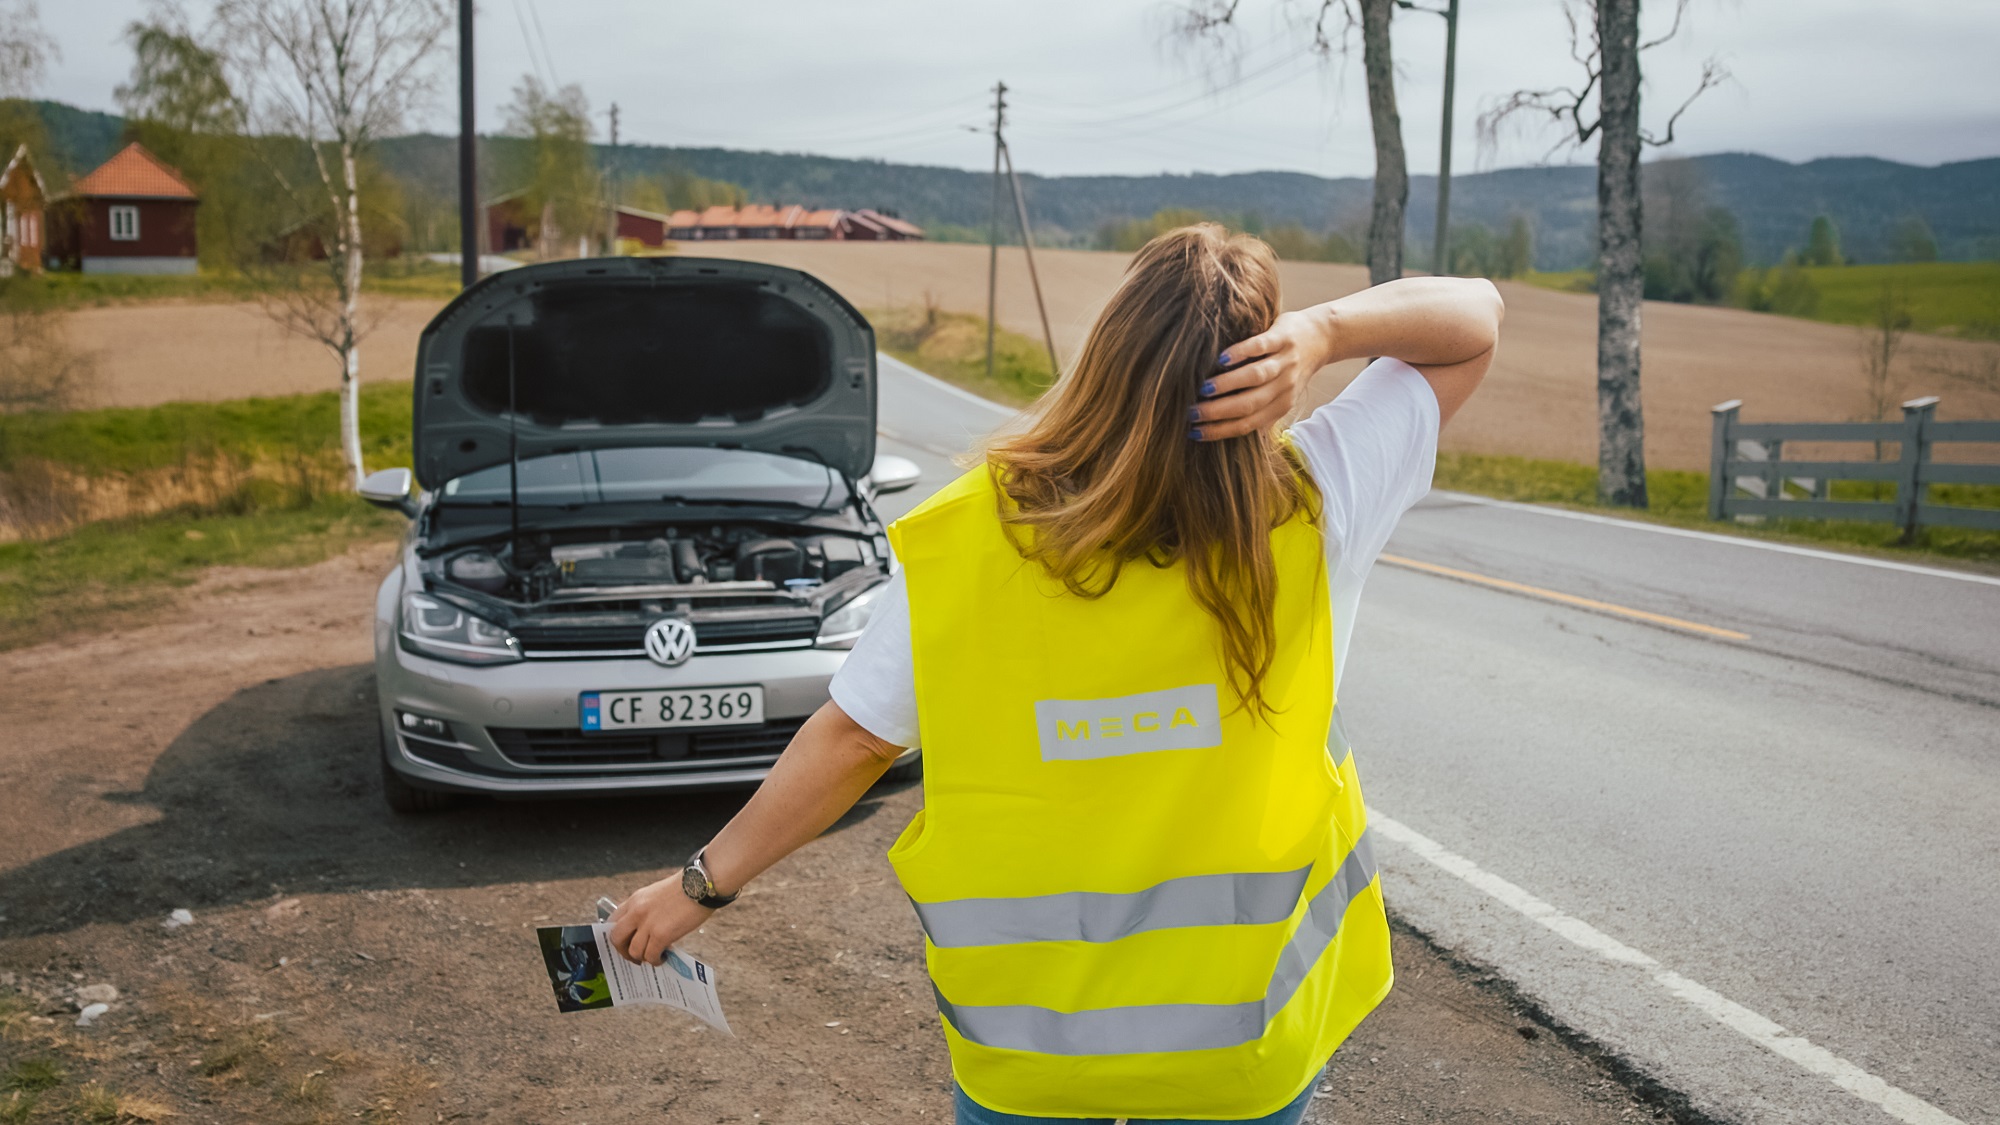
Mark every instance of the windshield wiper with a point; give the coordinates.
(730, 502)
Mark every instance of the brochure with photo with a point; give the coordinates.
(586, 975)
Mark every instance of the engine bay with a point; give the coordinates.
(533, 569)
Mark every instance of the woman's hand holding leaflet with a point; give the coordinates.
(653, 918)
(830, 763)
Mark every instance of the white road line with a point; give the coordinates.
(882, 358)
(1732, 540)
(1896, 1102)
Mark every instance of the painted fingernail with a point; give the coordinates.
(1194, 413)
(1194, 434)
(1222, 360)
(1208, 388)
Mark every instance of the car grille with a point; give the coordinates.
(684, 749)
(550, 641)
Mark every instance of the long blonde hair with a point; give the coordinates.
(1106, 473)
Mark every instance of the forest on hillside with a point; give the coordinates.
(1873, 203)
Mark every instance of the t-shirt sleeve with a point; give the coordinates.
(877, 686)
(1371, 451)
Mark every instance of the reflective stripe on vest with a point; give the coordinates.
(1169, 1027)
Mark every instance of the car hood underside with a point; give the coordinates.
(619, 352)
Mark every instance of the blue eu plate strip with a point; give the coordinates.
(591, 719)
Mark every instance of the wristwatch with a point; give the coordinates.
(697, 884)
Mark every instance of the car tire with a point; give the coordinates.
(912, 770)
(405, 799)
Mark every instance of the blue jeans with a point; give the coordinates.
(972, 1113)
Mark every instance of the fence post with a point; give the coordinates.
(1909, 492)
(1723, 416)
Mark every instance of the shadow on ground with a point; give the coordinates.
(277, 789)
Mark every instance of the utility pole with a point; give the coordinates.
(1439, 263)
(993, 235)
(1028, 246)
(468, 155)
(611, 185)
(1442, 244)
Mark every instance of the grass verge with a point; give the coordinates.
(405, 277)
(114, 567)
(187, 486)
(1680, 498)
(952, 346)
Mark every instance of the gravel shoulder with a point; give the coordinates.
(346, 964)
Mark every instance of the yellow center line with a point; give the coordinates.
(1566, 599)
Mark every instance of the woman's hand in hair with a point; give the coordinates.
(1263, 377)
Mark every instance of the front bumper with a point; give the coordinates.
(515, 727)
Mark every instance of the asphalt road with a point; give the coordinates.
(1752, 850)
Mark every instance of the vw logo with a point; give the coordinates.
(670, 641)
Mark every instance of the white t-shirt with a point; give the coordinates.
(1371, 451)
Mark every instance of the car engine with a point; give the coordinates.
(534, 570)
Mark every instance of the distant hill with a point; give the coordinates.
(1773, 200)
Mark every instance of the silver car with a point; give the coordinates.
(642, 539)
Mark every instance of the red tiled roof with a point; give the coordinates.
(900, 226)
(135, 172)
(827, 218)
(758, 215)
(684, 219)
(720, 215)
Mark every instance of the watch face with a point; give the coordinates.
(693, 883)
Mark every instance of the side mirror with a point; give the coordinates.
(891, 473)
(390, 488)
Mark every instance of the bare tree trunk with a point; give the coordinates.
(1621, 279)
(1392, 173)
(350, 316)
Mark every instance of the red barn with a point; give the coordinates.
(647, 228)
(133, 214)
(23, 201)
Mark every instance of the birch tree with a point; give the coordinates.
(1605, 41)
(1332, 25)
(336, 75)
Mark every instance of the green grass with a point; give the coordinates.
(409, 277)
(1959, 298)
(111, 567)
(34, 1074)
(952, 346)
(1950, 298)
(253, 482)
(1565, 281)
(136, 439)
(1680, 498)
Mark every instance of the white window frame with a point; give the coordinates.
(128, 230)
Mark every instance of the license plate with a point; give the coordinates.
(682, 707)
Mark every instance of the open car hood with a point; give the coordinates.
(616, 352)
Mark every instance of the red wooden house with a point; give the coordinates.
(23, 203)
(647, 228)
(133, 214)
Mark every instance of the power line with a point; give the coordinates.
(535, 13)
(528, 41)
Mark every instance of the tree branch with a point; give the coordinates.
(1713, 74)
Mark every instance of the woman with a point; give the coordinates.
(1142, 867)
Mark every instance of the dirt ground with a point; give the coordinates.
(1540, 400)
(347, 964)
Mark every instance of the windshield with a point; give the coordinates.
(687, 474)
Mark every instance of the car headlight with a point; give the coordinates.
(843, 626)
(443, 631)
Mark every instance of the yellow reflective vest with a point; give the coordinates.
(1137, 900)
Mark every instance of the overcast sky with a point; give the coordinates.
(1100, 86)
